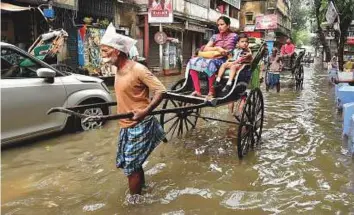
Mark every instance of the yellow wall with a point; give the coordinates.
(257, 7)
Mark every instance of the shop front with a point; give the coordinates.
(250, 31)
(21, 24)
(349, 46)
(182, 41)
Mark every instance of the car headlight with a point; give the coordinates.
(105, 87)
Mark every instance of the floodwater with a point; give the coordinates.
(301, 167)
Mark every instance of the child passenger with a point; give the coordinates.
(242, 54)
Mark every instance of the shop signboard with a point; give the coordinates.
(68, 4)
(267, 22)
(330, 35)
(160, 11)
(331, 13)
(235, 3)
(249, 28)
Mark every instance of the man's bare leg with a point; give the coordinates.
(135, 181)
(278, 87)
(142, 175)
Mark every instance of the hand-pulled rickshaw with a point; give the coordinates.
(292, 69)
(180, 110)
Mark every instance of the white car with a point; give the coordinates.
(30, 87)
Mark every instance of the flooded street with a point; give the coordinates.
(301, 168)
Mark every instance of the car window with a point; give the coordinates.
(16, 65)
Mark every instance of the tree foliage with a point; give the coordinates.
(345, 8)
(299, 17)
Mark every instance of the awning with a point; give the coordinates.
(13, 8)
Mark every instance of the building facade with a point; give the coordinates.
(194, 22)
(193, 25)
(268, 19)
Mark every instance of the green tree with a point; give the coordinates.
(299, 16)
(319, 8)
(346, 15)
(345, 8)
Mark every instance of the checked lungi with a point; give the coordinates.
(135, 144)
(273, 79)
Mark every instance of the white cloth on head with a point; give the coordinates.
(133, 52)
(120, 42)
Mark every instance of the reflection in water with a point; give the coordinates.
(300, 168)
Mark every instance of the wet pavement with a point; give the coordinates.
(301, 168)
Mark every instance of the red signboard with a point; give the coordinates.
(267, 22)
(160, 11)
(254, 34)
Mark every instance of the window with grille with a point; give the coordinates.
(249, 18)
(234, 12)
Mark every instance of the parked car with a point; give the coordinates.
(30, 87)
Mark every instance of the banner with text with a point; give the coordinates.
(160, 11)
(267, 22)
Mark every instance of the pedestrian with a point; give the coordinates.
(273, 77)
(142, 133)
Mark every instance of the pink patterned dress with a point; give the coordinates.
(211, 66)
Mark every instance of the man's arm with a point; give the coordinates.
(154, 85)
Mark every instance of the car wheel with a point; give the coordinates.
(77, 124)
(85, 126)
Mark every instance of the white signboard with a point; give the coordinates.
(160, 11)
(249, 28)
(235, 3)
(331, 14)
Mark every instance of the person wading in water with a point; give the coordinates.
(140, 135)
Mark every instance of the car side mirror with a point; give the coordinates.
(47, 74)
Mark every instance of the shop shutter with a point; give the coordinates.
(154, 50)
(187, 46)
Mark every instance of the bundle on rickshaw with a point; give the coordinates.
(48, 45)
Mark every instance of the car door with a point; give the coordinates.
(25, 98)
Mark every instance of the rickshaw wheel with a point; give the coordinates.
(299, 78)
(178, 84)
(177, 123)
(251, 123)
